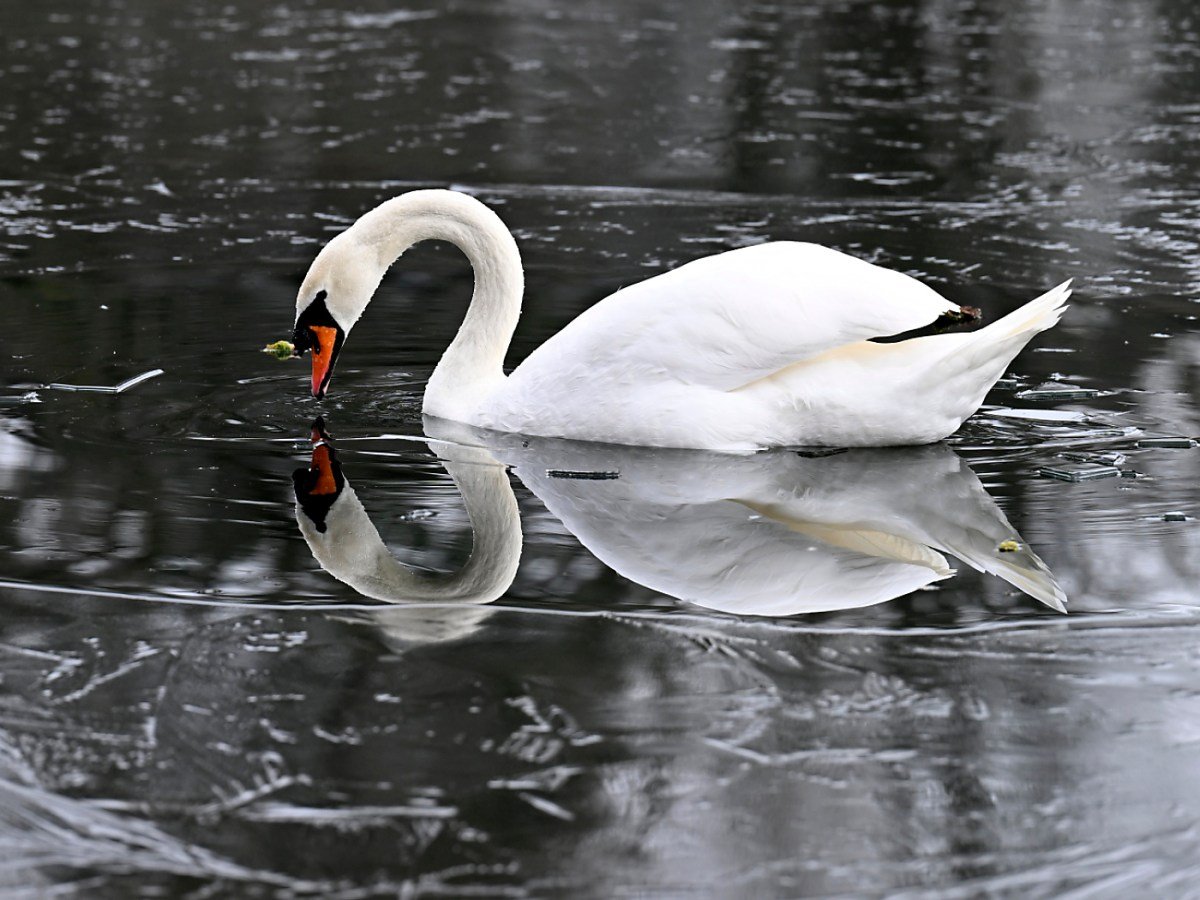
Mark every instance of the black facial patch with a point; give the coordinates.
(316, 313)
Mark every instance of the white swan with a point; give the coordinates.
(758, 347)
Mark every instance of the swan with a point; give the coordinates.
(769, 534)
(763, 346)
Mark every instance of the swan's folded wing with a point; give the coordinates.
(729, 319)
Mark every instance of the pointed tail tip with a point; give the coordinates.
(1060, 292)
(1047, 590)
(1043, 587)
(1028, 574)
(1048, 593)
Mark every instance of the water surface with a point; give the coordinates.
(190, 702)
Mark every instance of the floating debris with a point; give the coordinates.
(417, 515)
(819, 452)
(582, 476)
(104, 388)
(1172, 516)
(280, 350)
(1168, 443)
(1009, 546)
(1087, 473)
(30, 397)
(1056, 391)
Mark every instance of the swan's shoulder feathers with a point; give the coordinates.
(725, 320)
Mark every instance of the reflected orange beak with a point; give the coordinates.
(322, 467)
(320, 485)
(324, 351)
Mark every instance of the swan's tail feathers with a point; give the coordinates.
(913, 391)
(1035, 316)
(970, 363)
(982, 356)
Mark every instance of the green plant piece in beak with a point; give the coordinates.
(281, 350)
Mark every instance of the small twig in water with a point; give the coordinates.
(104, 388)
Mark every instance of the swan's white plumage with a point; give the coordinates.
(726, 320)
(762, 346)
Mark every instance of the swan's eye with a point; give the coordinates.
(316, 313)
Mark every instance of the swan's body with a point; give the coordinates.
(758, 347)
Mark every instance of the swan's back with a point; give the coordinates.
(726, 320)
(655, 362)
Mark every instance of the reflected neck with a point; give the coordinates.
(352, 551)
(473, 365)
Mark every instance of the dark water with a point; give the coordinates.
(190, 704)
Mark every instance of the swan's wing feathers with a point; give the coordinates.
(729, 319)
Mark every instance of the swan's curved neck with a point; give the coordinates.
(473, 365)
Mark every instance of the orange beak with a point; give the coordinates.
(324, 350)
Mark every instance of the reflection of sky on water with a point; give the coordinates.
(169, 172)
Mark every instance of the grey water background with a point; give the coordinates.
(190, 706)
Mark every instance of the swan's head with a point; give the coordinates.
(336, 290)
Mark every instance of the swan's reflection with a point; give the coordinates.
(771, 534)
(348, 546)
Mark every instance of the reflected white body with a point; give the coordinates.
(769, 534)
(758, 347)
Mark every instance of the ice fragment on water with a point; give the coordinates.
(1083, 473)
(1107, 458)
(1057, 391)
(1173, 443)
(1038, 415)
